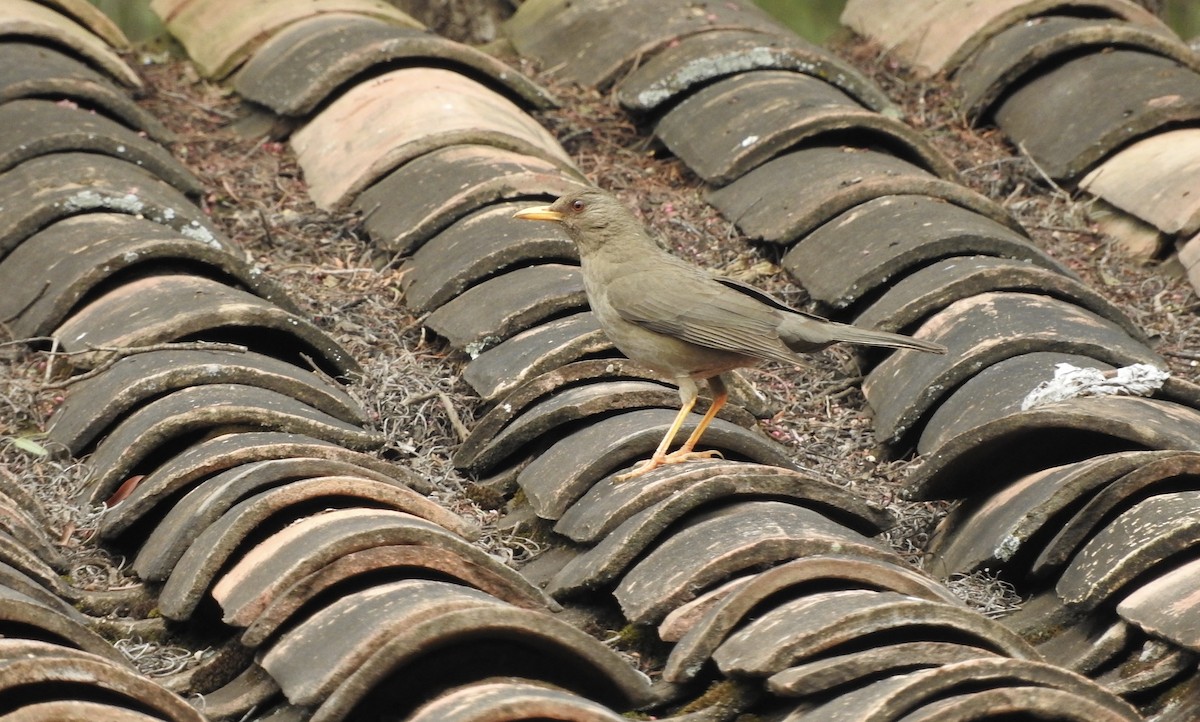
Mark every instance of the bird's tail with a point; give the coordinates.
(868, 337)
(803, 332)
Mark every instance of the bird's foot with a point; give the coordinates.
(675, 457)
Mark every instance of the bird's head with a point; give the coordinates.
(591, 217)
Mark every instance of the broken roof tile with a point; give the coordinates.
(305, 63)
(383, 123)
(1167, 606)
(1157, 471)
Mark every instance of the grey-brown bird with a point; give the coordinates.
(682, 321)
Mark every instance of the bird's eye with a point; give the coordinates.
(577, 205)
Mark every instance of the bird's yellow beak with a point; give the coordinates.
(538, 213)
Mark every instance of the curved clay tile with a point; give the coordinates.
(544, 420)
(383, 123)
(893, 697)
(230, 549)
(501, 369)
(727, 129)
(1154, 178)
(475, 247)
(1078, 112)
(873, 246)
(609, 504)
(1139, 539)
(516, 421)
(534, 644)
(188, 308)
(911, 299)
(22, 616)
(94, 404)
(574, 463)
(826, 675)
(429, 193)
(33, 127)
(715, 625)
(175, 419)
(698, 60)
(994, 534)
(511, 700)
(30, 70)
(94, 19)
(593, 43)
(613, 555)
(984, 458)
(275, 566)
(68, 676)
(182, 472)
(828, 622)
(306, 63)
(1007, 58)
(220, 35)
(63, 263)
(25, 20)
(729, 542)
(505, 305)
(980, 331)
(788, 197)
(1166, 606)
(938, 35)
(1157, 471)
(1037, 702)
(383, 564)
(204, 504)
(52, 187)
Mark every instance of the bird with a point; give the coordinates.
(682, 321)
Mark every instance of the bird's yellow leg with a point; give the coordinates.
(720, 396)
(660, 454)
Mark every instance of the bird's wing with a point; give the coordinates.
(699, 309)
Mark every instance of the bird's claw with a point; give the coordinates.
(675, 457)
